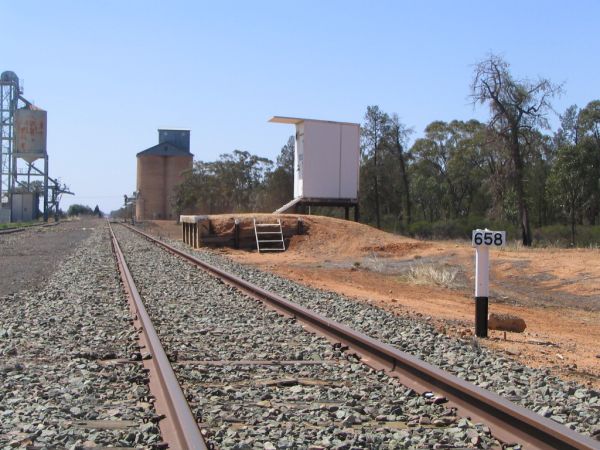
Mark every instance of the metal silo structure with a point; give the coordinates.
(9, 98)
(23, 131)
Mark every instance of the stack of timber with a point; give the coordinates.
(235, 231)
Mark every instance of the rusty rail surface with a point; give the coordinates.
(509, 422)
(179, 428)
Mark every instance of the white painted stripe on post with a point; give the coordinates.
(482, 271)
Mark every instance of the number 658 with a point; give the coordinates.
(485, 237)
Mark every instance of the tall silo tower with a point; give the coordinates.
(159, 170)
(22, 143)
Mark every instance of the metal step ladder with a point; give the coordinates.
(269, 237)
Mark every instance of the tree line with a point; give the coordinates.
(238, 182)
(511, 170)
(84, 210)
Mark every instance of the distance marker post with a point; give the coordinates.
(482, 240)
(482, 289)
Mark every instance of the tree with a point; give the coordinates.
(589, 120)
(589, 138)
(568, 133)
(285, 159)
(452, 153)
(516, 106)
(567, 183)
(398, 137)
(233, 183)
(373, 133)
(279, 183)
(78, 210)
(539, 155)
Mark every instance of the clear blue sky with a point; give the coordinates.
(110, 73)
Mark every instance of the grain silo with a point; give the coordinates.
(159, 170)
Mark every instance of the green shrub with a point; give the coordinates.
(457, 228)
(560, 236)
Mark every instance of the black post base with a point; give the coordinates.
(236, 234)
(481, 317)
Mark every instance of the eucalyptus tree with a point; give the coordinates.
(398, 140)
(451, 154)
(589, 120)
(589, 142)
(567, 183)
(374, 131)
(516, 106)
(279, 182)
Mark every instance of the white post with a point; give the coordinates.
(482, 271)
(482, 283)
(482, 240)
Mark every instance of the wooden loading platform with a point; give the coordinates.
(237, 231)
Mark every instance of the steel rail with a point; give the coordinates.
(179, 428)
(509, 422)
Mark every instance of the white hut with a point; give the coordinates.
(326, 163)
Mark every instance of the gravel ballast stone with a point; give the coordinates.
(67, 377)
(256, 379)
(568, 403)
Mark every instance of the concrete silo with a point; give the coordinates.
(159, 170)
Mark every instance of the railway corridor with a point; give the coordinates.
(256, 379)
(73, 374)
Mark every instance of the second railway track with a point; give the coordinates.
(256, 379)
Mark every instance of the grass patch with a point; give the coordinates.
(434, 275)
(5, 226)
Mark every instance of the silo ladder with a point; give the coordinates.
(269, 237)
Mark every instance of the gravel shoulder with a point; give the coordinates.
(70, 370)
(29, 257)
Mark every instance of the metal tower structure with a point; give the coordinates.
(9, 98)
(22, 142)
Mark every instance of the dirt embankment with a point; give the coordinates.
(556, 291)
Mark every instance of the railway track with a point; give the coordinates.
(249, 374)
